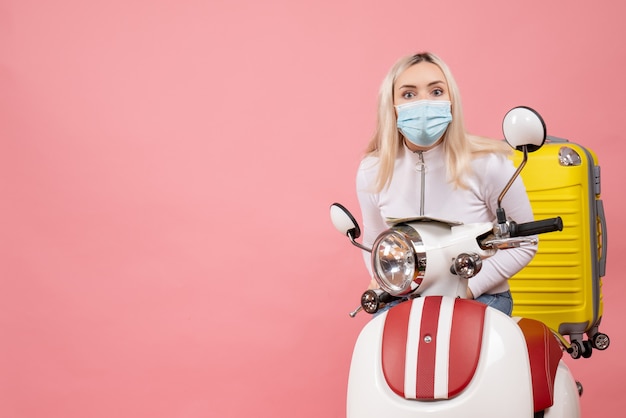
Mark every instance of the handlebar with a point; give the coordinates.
(385, 297)
(536, 227)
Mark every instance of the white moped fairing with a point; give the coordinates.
(435, 244)
(450, 357)
(424, 379)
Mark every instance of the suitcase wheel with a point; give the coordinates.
(580, 349)
(600, 341)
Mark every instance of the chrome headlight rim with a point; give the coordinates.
(409, 262)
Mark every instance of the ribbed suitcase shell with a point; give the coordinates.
(562, 286)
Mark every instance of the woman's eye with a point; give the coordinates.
(437, 92)
(408, 95)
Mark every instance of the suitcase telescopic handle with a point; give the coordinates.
(536, 227)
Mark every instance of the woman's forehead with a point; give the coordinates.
(423, 72)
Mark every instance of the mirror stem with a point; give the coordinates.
(508, 185)
(356, 244)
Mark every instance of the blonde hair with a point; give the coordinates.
(459, 146)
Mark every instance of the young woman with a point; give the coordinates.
(422, 162)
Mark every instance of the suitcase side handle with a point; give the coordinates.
(604, 240)
(556, 139)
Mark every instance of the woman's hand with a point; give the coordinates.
(373, 285)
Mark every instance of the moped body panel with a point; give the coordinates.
(499, 385)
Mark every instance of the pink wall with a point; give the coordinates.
(166, 168)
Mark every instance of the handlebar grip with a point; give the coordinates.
(536, 227)
(388, 298)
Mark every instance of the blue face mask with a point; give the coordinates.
(423, 122)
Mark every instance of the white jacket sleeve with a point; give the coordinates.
(505, 263)
(373, 222)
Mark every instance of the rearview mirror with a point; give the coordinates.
(343, 221)
(523, 126)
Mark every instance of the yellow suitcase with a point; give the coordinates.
(562, 286)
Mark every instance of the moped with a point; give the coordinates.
(433, 353)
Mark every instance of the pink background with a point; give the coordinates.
(166, 168)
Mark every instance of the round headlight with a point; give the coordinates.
(397, 262)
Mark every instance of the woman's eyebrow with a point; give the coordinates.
(412, 86)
